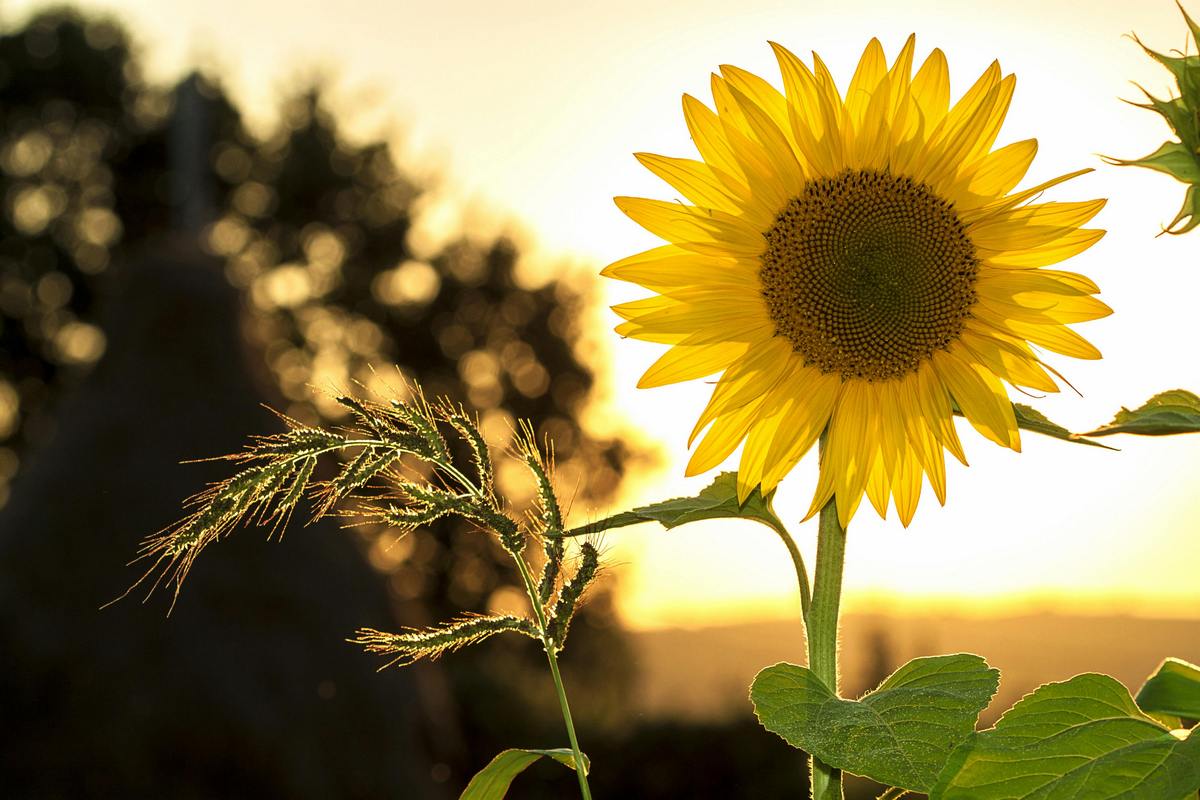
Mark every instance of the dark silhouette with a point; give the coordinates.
(127, 351)
(245, 690)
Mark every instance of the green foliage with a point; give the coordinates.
(492, 782)
(1173, 689)
(278, 471)
(1030, 419)
(718, 500)
(900, 734)
(1083, 737)
(1167, 413)
(540, 466)
(1179, 159)
(390, 444)
(571, 592)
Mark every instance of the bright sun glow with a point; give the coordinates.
(537, 111)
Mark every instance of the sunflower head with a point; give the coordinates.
(858, 266)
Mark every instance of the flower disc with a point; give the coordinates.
(867, 274)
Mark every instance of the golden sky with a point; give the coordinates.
(530, 110)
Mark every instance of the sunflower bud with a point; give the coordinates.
(1179, 159)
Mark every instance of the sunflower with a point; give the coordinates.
(859, 267)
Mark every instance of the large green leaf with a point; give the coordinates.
(718, 500)
(1175, 411)
(899, 734)
(1173, 689)
(492, 782)
(1082, 738)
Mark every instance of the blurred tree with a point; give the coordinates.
(317, 232)
(63, 124)
(314, 228)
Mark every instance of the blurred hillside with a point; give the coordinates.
(1028, 649)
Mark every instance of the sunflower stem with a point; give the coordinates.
(821, 625)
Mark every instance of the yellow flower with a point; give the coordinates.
(855, 265)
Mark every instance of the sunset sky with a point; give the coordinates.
(530, 112)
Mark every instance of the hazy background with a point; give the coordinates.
(529, 112)
(430, 187)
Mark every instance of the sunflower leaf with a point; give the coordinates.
(1030, 419)
(1080, 738)
(492, 782)
(718, 500)
(1164, 414)
(900, 734)
(1173, 689)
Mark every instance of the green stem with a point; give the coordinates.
(822, 627)
(801, 572)
(894, 793)
(548, 644)
(580, 765)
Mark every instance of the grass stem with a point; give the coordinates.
(548, 642)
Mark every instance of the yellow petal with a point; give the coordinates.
(701, 230)
(1009, 202)
(752, 332)
(872, 66)
(980, 397)
(777, 149)
(670, 267)
(1000, 171)
(723, 438)
(763, 94)
(709, 137)
(1008, 362)
(1032, 226)
(901, 70)
(758, 442)
(691, 317)
(800, 88)
(1009, 282)
(878, 487)
(970, 103)
(695, 180)
(685, 363)
(852, 446)
(921, 437)
(770, 188)
(935, 405)
(812, 117)
(1056, 338)
(931, 88)
(951, 150)
(906, 487)
(814, 397)
(1069, 244)
(748, 379)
